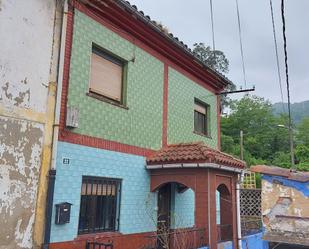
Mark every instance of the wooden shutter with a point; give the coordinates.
(105, 77)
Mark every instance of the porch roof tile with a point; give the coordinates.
(196, 152)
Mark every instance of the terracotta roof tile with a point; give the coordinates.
(193, 153)
(277, 171)
(170, 36)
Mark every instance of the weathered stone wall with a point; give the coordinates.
(27, 93)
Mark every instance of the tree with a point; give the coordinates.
(217, 61)
(262, 136)
(303, 132)
(214, 59)
(302, 153)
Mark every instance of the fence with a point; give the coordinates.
(250, 211)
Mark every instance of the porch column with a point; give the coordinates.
(213, 243)
(234, 211)
(201, 202)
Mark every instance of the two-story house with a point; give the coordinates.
(138, 151)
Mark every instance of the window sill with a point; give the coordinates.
(106, 100)
(97, 235)
(201, 134)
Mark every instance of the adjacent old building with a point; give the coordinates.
(285, 205)
(30, 39)
(138, 151)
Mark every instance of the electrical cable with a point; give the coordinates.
(276, 52)
(287, 83)
(213, 32)
(241, 45)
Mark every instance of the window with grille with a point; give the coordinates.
(99, 207)
(201, 120)
(106, 75)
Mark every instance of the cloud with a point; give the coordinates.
(190, 21)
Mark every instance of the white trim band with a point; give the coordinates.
(194, 165)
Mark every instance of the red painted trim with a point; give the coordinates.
(74, 138)
(219, 121)
(66, 66)
(175, 57)
(68, 136)
(165, 106)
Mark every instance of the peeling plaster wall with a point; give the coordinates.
(285, 198)
(26, 31)
(27, 27)
(20, 152)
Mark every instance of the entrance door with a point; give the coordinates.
(164, 216)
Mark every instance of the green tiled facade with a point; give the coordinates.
(140, 124)
(181, 94)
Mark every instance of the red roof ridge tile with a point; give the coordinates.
(193, 152)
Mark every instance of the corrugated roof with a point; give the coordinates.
(191, 153)
(277, 171)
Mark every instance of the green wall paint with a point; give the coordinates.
(181, 94)
(141, 124)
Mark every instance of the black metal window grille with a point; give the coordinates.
(201, 112)
(99, 207)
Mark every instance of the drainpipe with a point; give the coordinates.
(239, 236)
(52, 171)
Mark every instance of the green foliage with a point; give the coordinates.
(214, 59)
(303, 166)
(302, 153)
(303, 132)
(264, 141)
(258, 180)
(282, 159)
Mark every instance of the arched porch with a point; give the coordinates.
(204, 178)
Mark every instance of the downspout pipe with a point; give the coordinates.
(52, 171)
(239, 236)
(49, 207)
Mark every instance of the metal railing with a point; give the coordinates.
(99, 245)
(189, 238)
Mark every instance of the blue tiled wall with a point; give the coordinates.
(184, 209)
(137, 203)
(254, 241)
(226, 245)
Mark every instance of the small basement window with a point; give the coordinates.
(99, 206)
(201, 120)
(106, 75)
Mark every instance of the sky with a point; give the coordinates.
(190, 21)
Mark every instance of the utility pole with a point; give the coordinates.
(290, 129)
(241, 145)
(293, 168)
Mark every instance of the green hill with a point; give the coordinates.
(299, 110)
